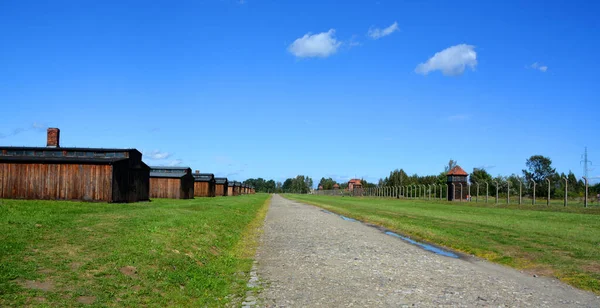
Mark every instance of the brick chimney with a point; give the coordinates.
(53, 138)
(197, 171)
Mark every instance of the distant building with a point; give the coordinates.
(457, 177)
(354, 183)
(320, 187)
(171, 182)
(336, 186)
(221, 185)
(204, 184)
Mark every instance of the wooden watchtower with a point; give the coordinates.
(457, 184)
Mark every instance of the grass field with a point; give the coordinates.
(551, 241)
(166, 252)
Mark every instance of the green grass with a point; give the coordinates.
(551, 241)
(161, 253)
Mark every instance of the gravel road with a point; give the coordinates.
(311, 258)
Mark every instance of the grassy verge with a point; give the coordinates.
(564, 243)
(162, 253)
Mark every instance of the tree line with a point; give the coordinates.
(300, 184)
(538, 169)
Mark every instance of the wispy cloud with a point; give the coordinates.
(174, 162)
(377, 33)
(486, 167)
(157, 155)
(320, 45)
(451, 61)
(539, 67)
(234, 173)
(36, 126)
(458, 117)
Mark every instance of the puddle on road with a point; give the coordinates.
(341, 216)
(348, 219)
(427, 247)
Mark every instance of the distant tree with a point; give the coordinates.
(480, 175)
(396, 178)
(327, 183)
(451, 164)
(366, 184)
(300, 184)
(539, 168)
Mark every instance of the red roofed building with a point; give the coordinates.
(457, 184)
(354, 183)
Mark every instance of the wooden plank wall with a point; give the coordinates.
(166, 188)
(230, 191)
(56, 181)
(220, 190)
(204, 189)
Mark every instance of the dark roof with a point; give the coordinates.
(169, 172)
(457, 170)
(16, 148)
(203, 177)
(166, 175)
(221, 180)
(62, 160)
(170, 168)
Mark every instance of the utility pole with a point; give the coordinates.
(585, 163)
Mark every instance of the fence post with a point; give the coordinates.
(447, 192)
(520, 190)
(548, 200)
(477, 198)
(566, 189)
(585, 201)
(487, 191)
(461, 192)
(469, 197)
(496, 191)
(533, 202)
(507, 191)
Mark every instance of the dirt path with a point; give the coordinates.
(312, 258)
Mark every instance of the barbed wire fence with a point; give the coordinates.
(496, 192)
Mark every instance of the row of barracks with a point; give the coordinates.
(102, 175)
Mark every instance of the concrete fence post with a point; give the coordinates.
(507, 191)
(496, 191)
(585, 201)
(548, 200)
(566, 189)
(533, 201)
(520, 191)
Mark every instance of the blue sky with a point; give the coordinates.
(274, 89)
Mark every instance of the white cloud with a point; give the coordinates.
(379, 33)
(537, 66)
(175, 162)
(322, 45)
(451, 61)
(157, 155)
(36, 126)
